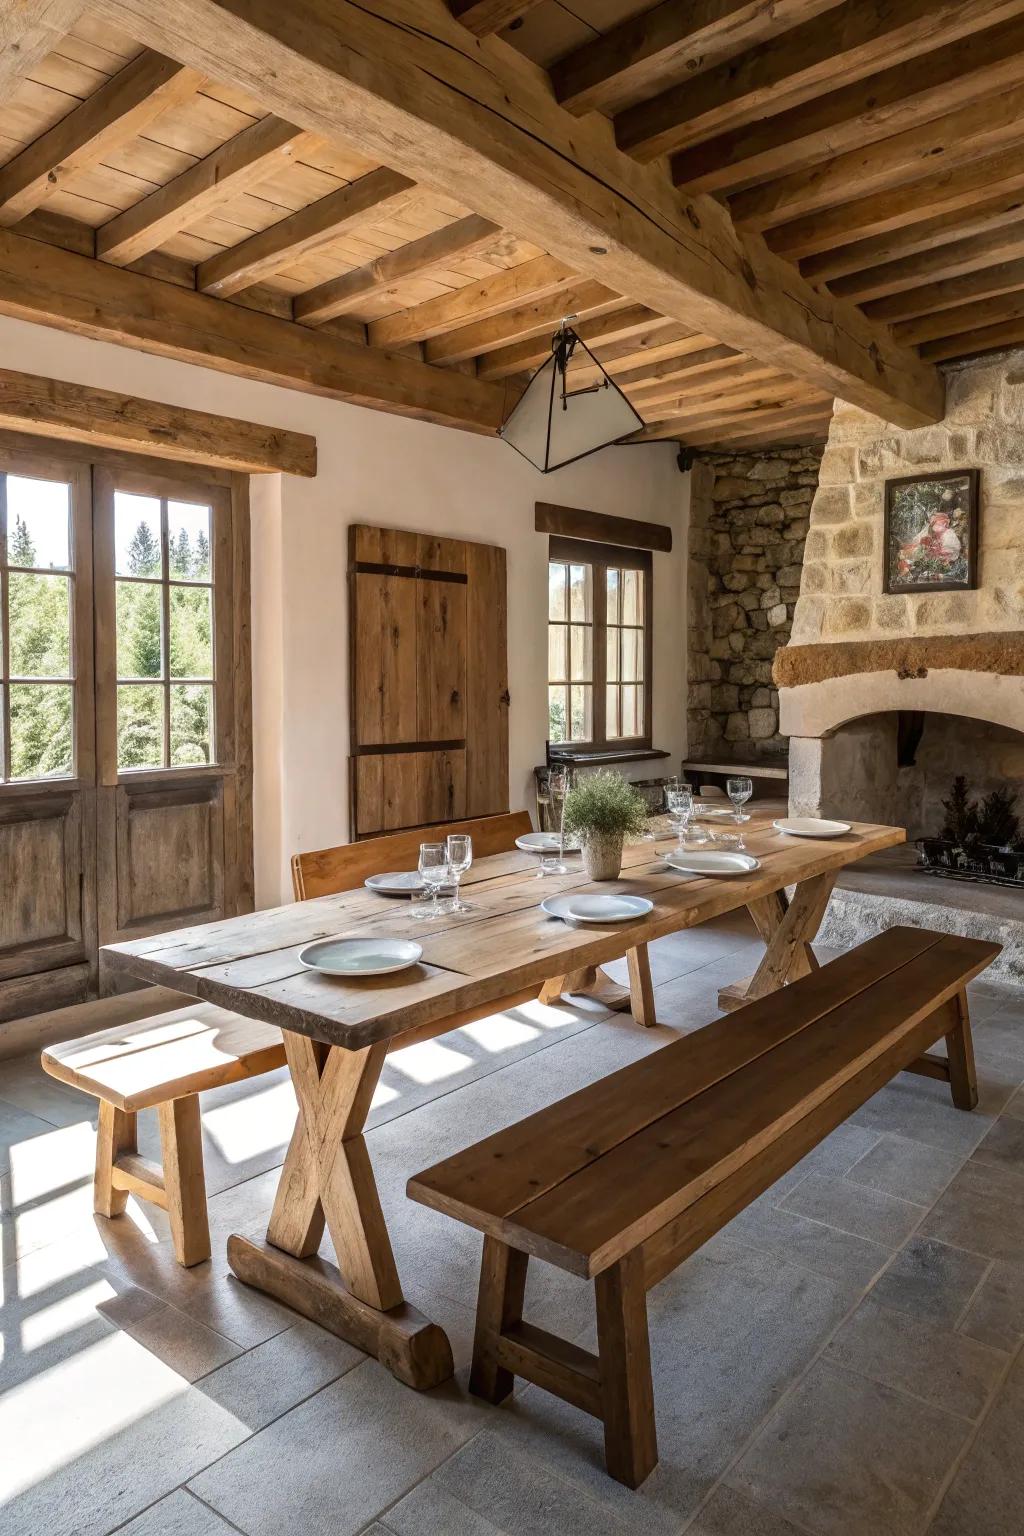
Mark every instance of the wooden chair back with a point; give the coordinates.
(330, 870)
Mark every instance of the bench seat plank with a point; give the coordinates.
(734, 1098)
(503, 1172)
(137, 1065)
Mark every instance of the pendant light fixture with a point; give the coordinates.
(553, 425)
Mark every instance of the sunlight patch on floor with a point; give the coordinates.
(260, 1122)
(429, 1062)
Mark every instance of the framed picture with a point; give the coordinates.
(931, 532)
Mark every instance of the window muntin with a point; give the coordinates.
(599, 630)
(164, 602)
(37, 632)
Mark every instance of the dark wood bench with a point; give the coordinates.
(622, 1181)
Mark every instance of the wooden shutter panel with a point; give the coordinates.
(428, 679)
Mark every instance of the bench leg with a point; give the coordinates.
(960, 1049)
(181, 1146)
(499, 1308)
(627, 1392)
(115, 1134)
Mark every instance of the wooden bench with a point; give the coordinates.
(164, 1062)
(622, 1181)
(330, 870)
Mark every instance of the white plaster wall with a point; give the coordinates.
(382, 469)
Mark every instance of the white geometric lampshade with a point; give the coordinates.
(552, 432)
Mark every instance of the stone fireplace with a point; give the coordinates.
(886, 698)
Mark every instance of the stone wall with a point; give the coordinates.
(748, 523)
(841, 594)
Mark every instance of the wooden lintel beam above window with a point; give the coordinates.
(118, 112)
(482, 17)
(454, 243)
(29, 30)
(466, 118)
(244, 161)
(89, 298)
(78, 413)
(377, 195)
(601, 527)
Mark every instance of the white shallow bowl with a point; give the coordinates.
(359, 957)
(397, 882)
(713, 863)
(811, 826)
(544, 842)
(597, 909)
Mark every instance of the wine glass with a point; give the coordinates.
(739, 792)
(680, 808)
(434, 872)
(558, 787)
(460, 857)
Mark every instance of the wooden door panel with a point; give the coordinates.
(393, 790)
(385, 705)
(487, 697)
(439, 675)
(41, 917)
(162, 857)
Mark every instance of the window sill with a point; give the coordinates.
(584, 759)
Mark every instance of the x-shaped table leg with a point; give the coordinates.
(787, 928)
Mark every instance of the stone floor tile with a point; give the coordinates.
(930, 1280)
(431, 1511)
(907, 1169)
(865, 1213)
(502, 1484)
(187, 1346)
(836, 1155)
(996, 1315)
(920, 1109)
(90, 1445)
(982, 1211)
(986, 1497)
(797, 1239)
(845, 1456)
(338, 1460)
(17, 1128)
(1003, 1145)
(23, 1082)
(926, 1359)
(179, 1514)
(267, 1381)
(1001, 1032)
(728, 1513)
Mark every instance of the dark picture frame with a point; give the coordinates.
(931, 532)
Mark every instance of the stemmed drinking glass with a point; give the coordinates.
(460, 857)
(739, 792)
(434, 872)
(680, 808)
(558, 788)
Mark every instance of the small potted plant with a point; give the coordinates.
(602, 809)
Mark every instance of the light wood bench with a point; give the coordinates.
(330, 870)
(164, 1062)
(622, 1181)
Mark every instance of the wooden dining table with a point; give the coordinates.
(502, 953)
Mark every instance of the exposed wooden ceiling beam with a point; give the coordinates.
(923, 234)
(442, 248)
(761, 404)
(946, 293)
(538, 317)
(244, 161)
(854, 115)
(79, 413)
(723, 382)
(941, 263)
(989, 338)
(676, 367)
(117, 113)
(760, 425)
(29, 30)
(483, 17)
(476, 301)
(677, 38)
(824, 54)
(957, 139)
(1004, 307)
(375, 196)
(624, 325)
(464, 116)
(90, 298)
(944, 192)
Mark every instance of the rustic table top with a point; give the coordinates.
(505, 945)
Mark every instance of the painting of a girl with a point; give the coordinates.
(931, 533)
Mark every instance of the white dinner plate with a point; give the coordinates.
(399, 882)
(713, 864)
(811, 826)
(359, 957)
(597, 909)
(544, 842)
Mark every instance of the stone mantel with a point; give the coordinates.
(908, 657)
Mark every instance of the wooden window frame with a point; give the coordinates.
(602, 557)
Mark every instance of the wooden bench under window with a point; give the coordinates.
(622, 1181)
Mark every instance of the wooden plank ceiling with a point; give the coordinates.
(861, 159)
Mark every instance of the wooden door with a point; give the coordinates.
(47, 743)
(428, 679)
(172, 845)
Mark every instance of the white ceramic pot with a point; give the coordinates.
(602, 855)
